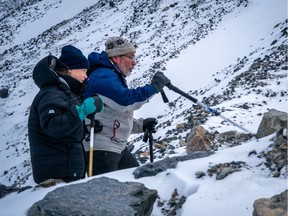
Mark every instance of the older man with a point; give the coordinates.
(108, 79)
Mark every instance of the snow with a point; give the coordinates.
(237, 36)
(51, 18)
(233, 195)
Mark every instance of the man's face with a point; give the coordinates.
(125, 63)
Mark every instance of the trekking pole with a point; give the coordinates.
(148, 135)
(213, 111)
(91, 145)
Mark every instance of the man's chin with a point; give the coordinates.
(128, 73)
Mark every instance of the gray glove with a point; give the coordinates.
(159, 81)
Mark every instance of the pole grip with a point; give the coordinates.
(164, 97)
(91, 145)
(90, 161)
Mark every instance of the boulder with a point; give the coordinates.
(271, 122)
(197, 140)
(152, 169)
(275, 206)
(4, 93)
(97, 197)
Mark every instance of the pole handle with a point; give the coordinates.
(90, 161)
(164, 97)
(91, 145)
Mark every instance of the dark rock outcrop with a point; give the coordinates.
(222, 170)
(4, 190)
(152, 169)
(276, 155)
(98, 197)
(4, 93)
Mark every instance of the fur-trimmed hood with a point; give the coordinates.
(43, 72)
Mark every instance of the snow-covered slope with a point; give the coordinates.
(226, 53)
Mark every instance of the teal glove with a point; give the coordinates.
(89, 106)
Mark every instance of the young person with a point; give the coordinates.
(55, 124)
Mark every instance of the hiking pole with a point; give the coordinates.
(92, 124)
(148, 135)
(213, 111)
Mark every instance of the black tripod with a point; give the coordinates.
(148, 135)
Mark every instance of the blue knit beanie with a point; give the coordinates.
(73, 58)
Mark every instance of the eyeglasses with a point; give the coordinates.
(131, 57)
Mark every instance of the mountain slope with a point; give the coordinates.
(163, 31)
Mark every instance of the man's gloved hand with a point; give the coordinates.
(89, 106)
(159, 81)
(150, 123)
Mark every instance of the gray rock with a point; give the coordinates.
(276, 155)
(4, 93)
(4, 190)
(230, 138)
(225, 172)
(200, 174)
(275, 206)
(97, 197)
(222, 170)
(271, 122)
(152, 169)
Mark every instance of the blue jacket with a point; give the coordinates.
(108, 81)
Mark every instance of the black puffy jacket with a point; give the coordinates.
(54, 128)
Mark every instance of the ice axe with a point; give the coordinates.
(213, 111)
